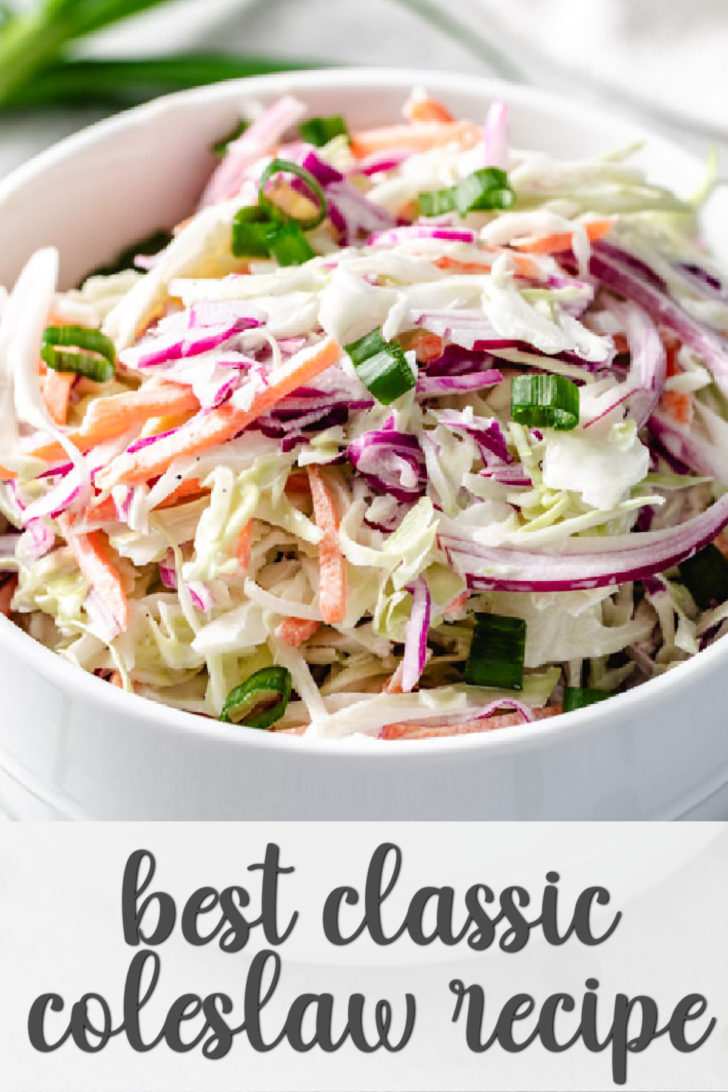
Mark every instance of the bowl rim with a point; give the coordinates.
(165, 717)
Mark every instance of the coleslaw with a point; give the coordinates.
(405, 432)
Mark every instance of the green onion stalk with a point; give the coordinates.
(37, 67)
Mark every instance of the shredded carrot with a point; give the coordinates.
(116, 414)
(457, 604)
(101, 511)
(427, 346)
(393, 685)
(553, 244)
(679, 405)
(487, 724)
(96, 560)
(294, 631)
(56, 390)
(415, 138)
(186, 491)
(220, 424)
(427, 110)
(672, 344)
(104, 510)
(242, 547)
(406, 730)
(331, 561)
(721, 542)
(116, 680)
(7, 591)
(297, 483)
(407, 211)
(621, 344)
(85, 386)
(522, 264)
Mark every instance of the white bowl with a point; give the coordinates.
(71, 745)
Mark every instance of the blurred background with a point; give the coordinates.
(663, 62)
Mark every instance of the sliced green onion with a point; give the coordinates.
(320, 131)
(497, 652)
(382, 367)
(287, 243)
(93, 355)
(266, 685)
(256, 235)
(285, 166)
(487, 188)
(545, 401)
(437, 203)
(578, 697)
(251, 228)
(220, 147)
(705, 575)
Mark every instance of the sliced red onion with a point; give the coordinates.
(37, 540)
(654, 585)
(16, 494)
(398, 235)
(642, 659)
(689, 449)
(200, 595)
(58, 499)
(154, 351)
(385, 513)
(322, 171)
(221, 393)
(520, 707)
(469, 329)
(358, 214)
(588, 562)
(303, 397)
(238, 313)
(258, 139)
(486, 431)
(122, 496)
(415, 640)
(9, 542)
(507, 475)
(618, 275)
(637, 265)
(391, 462)
(290, 345)
(294, 150)
(708, 283)
(55, 471)
(146, 441)
(648, 366)
(103, 622)
(495, 136)
(350, 211)
(281, 422)
(168, 573)
(429, 385)
(581, 303)
(381, 161)
(458, 361)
